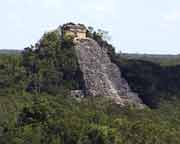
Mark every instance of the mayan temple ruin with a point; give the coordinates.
(101, 76)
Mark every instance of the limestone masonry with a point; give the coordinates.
(77, 31)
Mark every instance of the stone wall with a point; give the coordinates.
(101, 76)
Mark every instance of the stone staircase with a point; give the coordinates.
(101, 76)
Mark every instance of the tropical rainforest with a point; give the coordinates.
(36, 107)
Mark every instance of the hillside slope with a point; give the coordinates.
(164, 60)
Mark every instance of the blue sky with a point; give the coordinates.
(135, 26)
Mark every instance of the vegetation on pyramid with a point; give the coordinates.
(51, 65)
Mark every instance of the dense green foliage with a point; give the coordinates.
(52, 65)
(57, 120)
(150, 80)
(35, 107)
(10, 51)
(165, 60)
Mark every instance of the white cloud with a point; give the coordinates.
(173, 16)
(170, 23)
(51, 4)
(168, 28)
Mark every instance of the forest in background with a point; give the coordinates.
(35, 106)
